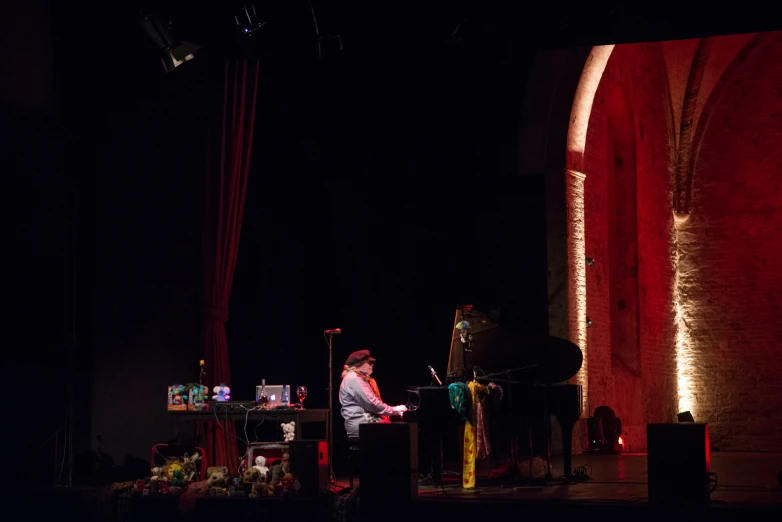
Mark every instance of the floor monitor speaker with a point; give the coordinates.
(678, 458)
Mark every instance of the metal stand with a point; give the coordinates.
(330, 423)
(506, 378)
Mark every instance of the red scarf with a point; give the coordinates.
(373, 384)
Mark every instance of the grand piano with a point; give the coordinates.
(533, 372)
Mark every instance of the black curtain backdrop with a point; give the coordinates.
(382, 194)
(379, 222)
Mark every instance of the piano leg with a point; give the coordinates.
(567, 425)
(437, 461)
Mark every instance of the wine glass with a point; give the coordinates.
(301, 391)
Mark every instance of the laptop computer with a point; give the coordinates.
(277, 394)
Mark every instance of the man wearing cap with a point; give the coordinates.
(360, 396)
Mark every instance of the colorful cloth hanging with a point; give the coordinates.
(460, 396)
(476, 433)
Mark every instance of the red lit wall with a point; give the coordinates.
(628, 232)
(730, 248)
(687, 315)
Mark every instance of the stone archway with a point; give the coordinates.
(574, 197)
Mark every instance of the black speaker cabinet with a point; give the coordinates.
(310, 465)
(389, 462)
(678, 464)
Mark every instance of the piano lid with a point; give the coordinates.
(497, 349)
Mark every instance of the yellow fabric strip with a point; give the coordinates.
(468, 471)
(470, 447)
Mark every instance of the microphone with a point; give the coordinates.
(336, 331)
(434, 374)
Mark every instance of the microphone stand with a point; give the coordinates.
(330, 427)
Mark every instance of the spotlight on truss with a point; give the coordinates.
(248, 21)
(173, 52)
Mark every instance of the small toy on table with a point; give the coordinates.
(288, 431)
(222, 393)
(177, 397)
(196, 397)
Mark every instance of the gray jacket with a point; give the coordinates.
(359, 403)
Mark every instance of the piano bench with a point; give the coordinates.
(354, 458)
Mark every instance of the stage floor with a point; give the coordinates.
(746, 479)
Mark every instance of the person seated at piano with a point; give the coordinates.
(360, 396)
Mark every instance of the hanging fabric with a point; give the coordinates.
(476, 436)
(460, 396)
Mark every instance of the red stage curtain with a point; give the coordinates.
(225, 192)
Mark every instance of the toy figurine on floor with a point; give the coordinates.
(260, 465)
(250, 479)
(178, 479)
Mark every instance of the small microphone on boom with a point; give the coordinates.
(434, 374)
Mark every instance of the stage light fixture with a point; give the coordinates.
(604, 430)
(590, 261)
(685, 416)
(248, 21)
(589, 322)
(173, 52)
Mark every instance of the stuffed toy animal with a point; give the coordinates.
(260, 465)
(288, 431)
(222, 393)
(178, 391)
(178, 480)
(172, 466)
(250, 478)
(290, 486)
(217, 481)
(280, 470)
(157, 474)
(189, 469)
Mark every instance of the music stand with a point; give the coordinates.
(507, 374)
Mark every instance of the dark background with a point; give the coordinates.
(382, 194)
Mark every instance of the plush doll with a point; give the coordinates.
(217, 481)
(178, 391)
(280, 470)
(288, 431)
(178, 479)
(157, 473)
(290, 486)
(189, 469)
(172, 466)
(251, 477)
(222, 393)
(260, 465)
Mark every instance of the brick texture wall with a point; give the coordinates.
(596, 210)
(656, 245)
(725, 256)
(731, 270)
(638, 378)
